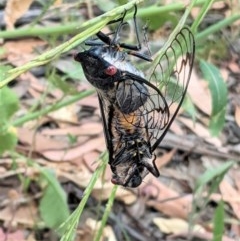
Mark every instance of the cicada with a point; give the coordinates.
(137, 109)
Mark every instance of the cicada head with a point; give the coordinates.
(132, 172)
(128, 175)
(99, 71)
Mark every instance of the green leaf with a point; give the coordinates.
(53, 205)
(218, 222)
(106, 214)
(122, 2)
(173, 90)
(106, 7)
(77, 72)
(9, 104)
(189, 107)
(218, 91)
(155, 22)
(68, 228)
(3, 71)
(3, 51)
(212, 177)
(72, 139)
(61, 84)
(8, 139)
(71, 69)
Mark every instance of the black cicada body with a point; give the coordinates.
(136, 111)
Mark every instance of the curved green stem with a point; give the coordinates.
(32, 116)
(216, 27)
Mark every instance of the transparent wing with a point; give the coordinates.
(154, 104)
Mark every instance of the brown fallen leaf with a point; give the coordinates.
(75, 152)
(38, 142)
(235, 174)
(91, 100)
(237, 115)
(91, 227)
(40, 86)
(66, 114)
(90, 159)
(19, 52)
(197, 236)
(81, 176)
(235, 230)
(102, 191)
(233, 197)
(18, 235)
(175, 225)
(57, 2)
(35, 84)
(195, 12)
(164, 159)
(14, 10)
(201, 131)
(176, 128)
(31, 237)
(166, 200)
(26, 215)
(34, 93)
(92, 128)
(199, 93)
(234, 66)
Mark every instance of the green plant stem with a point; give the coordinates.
(92, 27)
(106, 214)
(40, 31)
(75, 28)
(52, 54)
(43, 12)
(216, 27)
(70, 225)
(203, 11)
(32, 116)
(153, 10)
(70, 28)
(179, 26)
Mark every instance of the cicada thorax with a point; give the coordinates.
(130, 96)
